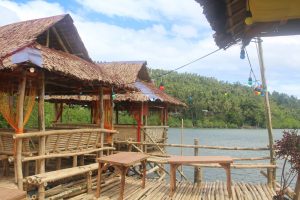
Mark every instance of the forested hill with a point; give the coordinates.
(214, 103)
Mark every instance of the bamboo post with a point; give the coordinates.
(297, 189)
(101, 110)
(21, 92)
(42, 139)
(181, 149)
(197, 170)
(117, 115)
(271, 174)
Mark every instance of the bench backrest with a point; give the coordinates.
(7, 144)
(71, 142)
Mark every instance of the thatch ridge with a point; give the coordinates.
(128, 71)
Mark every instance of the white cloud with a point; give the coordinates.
(152, 10)
(185, 31)
(30, 10)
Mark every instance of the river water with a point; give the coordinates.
(225, 137)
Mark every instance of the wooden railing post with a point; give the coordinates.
(197, 170)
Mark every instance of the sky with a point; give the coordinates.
(167, 34)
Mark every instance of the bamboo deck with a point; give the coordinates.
(185, 190)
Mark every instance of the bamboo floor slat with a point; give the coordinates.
(155, 190)
(185, 190)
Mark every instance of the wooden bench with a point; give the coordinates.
(176, 161)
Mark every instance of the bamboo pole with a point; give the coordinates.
(271, 174)
(60, 41)
(42, 140)
(297, 189)
(181, 149)
(101, 110)
(60, 155)
(62, 132)
(21, 92)
(41, 121)
(197, 170)
(198, 146)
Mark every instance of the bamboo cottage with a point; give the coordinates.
(38, 58)
(145, 100)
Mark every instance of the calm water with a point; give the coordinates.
(225, 137)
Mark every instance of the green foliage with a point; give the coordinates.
(218, 104)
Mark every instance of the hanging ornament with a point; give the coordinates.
(248, 19)
(250, 81)
(190, 99)
(113, 94)
(242, 54)
(161, 86)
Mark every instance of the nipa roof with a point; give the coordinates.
(25, 42)
(270, 18)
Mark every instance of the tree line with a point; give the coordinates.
(218, 104)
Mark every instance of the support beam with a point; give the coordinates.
(18, 164)
(272, 174)
(42, 140)
(60, 41)
(101, 112)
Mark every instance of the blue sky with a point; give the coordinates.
(165, 33)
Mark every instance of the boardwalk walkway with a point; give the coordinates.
(160, 190)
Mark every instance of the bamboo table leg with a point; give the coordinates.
(144, 173)
(228, 175)
(173, 168)
(100, 168)
(123, 175)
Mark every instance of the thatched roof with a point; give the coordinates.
(227, 19)
(16, 36)
(128, 71)
(148, 92)
(134, 73)
(23, 45)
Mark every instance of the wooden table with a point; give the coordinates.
(176, 161)
(122, 161)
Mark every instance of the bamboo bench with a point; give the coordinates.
(41, 180)
(58, 144)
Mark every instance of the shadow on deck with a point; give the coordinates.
(185, 190)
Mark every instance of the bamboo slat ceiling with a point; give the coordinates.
(227, 19)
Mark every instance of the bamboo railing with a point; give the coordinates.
(57, 144)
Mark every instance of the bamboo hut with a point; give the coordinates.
(47, 57)
(140, 104)
(239, 21)
(146, 99)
